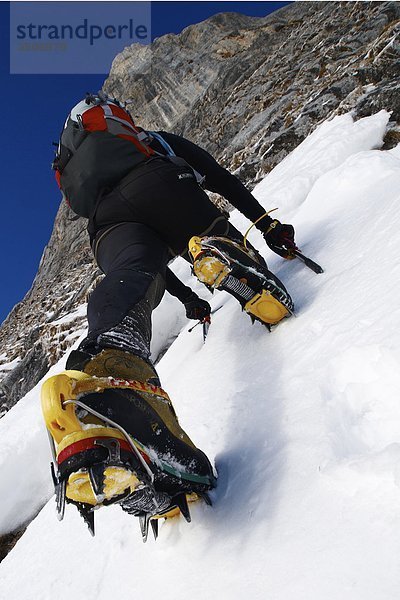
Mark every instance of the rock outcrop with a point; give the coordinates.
(250, 89)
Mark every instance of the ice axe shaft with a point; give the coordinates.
(308, 262)
(194, 326)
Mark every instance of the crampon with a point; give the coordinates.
(96, 462)
(224, 264)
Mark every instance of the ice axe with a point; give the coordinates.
(307, 261)
(293, 252)
(206, 322)
(289, 246)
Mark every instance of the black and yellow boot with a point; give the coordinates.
(224, 264)
(116, 438)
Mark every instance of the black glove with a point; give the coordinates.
(196, 308)
(280, 238)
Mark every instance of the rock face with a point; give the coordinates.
(247, 89)
(39, 329)
(250, 89)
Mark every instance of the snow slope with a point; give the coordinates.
(303, 423)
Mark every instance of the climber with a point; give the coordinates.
(143, 195)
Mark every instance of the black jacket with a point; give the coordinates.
(217, 179)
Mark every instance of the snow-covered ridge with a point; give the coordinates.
(303, 423)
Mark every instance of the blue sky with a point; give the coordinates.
(34, 108)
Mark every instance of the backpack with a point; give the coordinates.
(99, 145)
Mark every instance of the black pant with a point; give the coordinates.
(134, 260)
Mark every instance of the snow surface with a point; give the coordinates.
(303, 423)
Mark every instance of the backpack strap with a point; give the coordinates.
(163, 143)
(177, 160)
(108, 115)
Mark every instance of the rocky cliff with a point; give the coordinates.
(247, 89)
(251, 89)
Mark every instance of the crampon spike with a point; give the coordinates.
(154, 527)
(88, 516)
(204, 496)
(53, 474)
(60, 499)
(96, 475)
(182, 504)
(144, 521)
